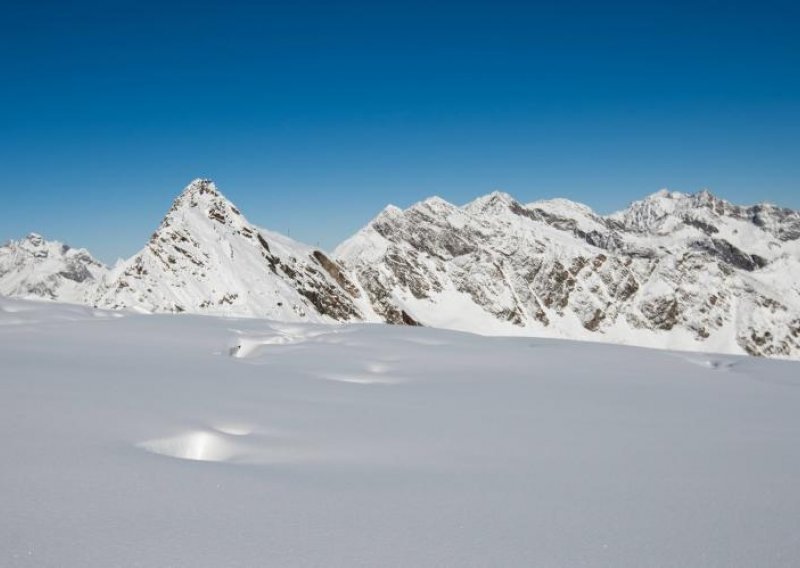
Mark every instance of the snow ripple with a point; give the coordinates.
(230, 443)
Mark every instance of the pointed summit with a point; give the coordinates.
(205, 257)
(434, 203)
(705, 194)
(500, 196)
(200, 186)
(35, 239)
(197, 190)
(496, 201)
(215, 206)
(705, 197)
(388, 212)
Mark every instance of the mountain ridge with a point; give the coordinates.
(557, 268)
(672, 270)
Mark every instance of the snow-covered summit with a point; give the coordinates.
(667, 211)
(34, 267)
(206, 257)
(494, 201)
(198, 187)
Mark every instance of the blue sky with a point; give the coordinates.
(312, 116)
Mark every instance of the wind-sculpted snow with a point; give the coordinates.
(149, 440)
(673, 271)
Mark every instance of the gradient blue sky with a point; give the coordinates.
(312, 116)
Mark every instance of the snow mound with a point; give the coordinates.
(198, 445)
(232, 443)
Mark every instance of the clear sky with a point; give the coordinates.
(312, 116)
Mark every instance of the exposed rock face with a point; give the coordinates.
(673, 270)
(35, 267)
(207, 258)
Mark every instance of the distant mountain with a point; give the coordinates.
(37, 268)
(674, 270)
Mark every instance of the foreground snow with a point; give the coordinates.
(134, 440)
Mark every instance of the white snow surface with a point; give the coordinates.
(188, 441)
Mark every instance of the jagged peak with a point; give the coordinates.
(200, 186)
(705, 194)
(705, 197)
(659, 200)
(498, 195)
(204, 193)
(388, 212)
(198, 190)
(490, 202)
(33, 242)
(39, 247)
(666, 200)
(434, 202)
(391, 210)
(35, 239)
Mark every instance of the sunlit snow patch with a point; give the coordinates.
(231, 443)
(361, 378)
(198, 445)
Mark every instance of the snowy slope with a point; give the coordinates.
(195, 442)
(205, 257)
(673, 271)
(34, 267)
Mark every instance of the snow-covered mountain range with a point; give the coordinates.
(674, 270)
(35, 267)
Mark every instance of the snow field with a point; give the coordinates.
(149, 440)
